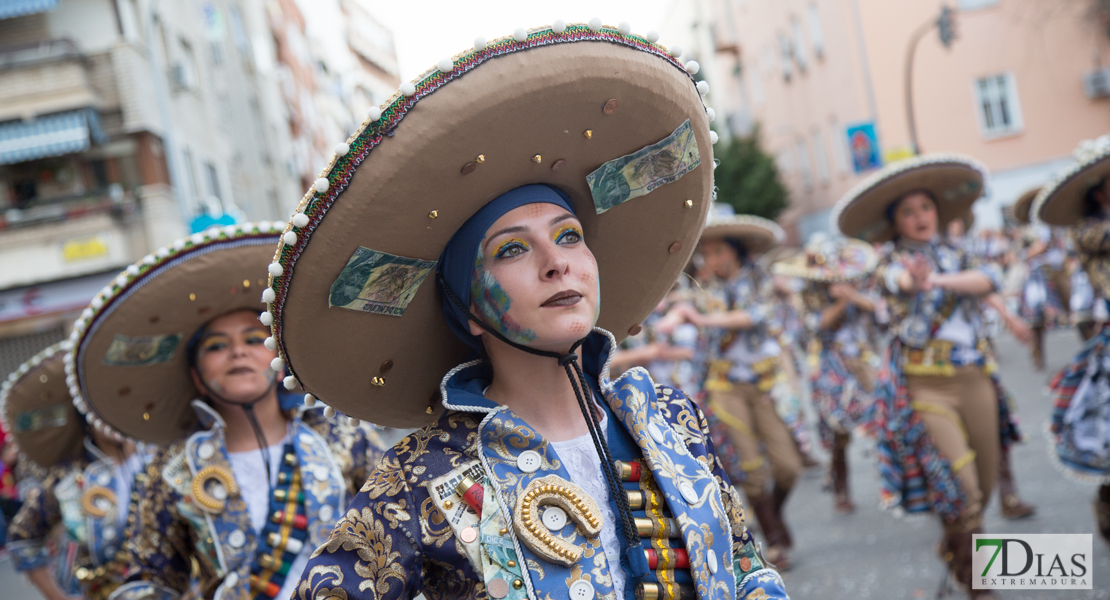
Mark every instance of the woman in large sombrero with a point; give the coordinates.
(172, 353)
(939, 413)
(480, 217)
(840, 315)
(1079, 198)
(89, 488)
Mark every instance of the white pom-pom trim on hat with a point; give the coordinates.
(320, 185)
(446, 65)
(277, 364)
(270, 343)
(267, 319)
(559, 26)
(624, 28)
(713, 137)
(179, 244)
(692, 67)
(652, 36)
(275, 269)
(132, 270)
(408, 88)
(594, 24)
(519, 34)
(268, 295)
(675, 51)
(329, 412)
(703, 87)
(709, 112)
(290, 238)
(162, 252)
(479, 43)
(341, 149)
(309, 400)
(149, 259)
(300, 219)
(353, 421)
(374, 113)
(289, 382)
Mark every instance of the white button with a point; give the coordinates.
(109, 533)
(321, 472)
(326, 513)
(237, 539)
(219, 492)
(653, 431)
(712, 560)
(688, 493)
(528, 461)
(231, 580)
(554, 518)
(581, 590)
(104, 479)
(205, 451)
(468, 535)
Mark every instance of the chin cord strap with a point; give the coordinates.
(256, 428)
(578, 382)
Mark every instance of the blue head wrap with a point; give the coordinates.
(456, 264)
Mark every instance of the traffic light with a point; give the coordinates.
(946, 26)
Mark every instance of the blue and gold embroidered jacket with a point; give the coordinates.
(409, 532)
(80, 495)
(332, 457)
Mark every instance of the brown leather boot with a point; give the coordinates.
(776, 552)
(1102, 511)
(839, 473)
(958, 545)
(1012, 506)
(778, 497)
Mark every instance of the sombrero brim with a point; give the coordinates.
(38, 412)
(1023, 205)
(129, 357)
(957, 182)
(854, 260)
(544, 107)
(1061, 202)
(758, 235)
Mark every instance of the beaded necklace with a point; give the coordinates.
(283, 536)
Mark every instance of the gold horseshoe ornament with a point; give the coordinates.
(92, 501)
(573, 500)
(224, 486)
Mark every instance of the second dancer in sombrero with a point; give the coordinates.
(518, 185)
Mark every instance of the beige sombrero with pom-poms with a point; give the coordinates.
(128, 366)
(828, 259)
(758, 235)
(1022, 206)
(608, 117)
(955, 180)
(1061, 201)
(37, 410)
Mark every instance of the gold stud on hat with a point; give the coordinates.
(537, 159)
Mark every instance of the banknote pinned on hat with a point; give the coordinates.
(36, 409)
(609, 118)
(128, 367)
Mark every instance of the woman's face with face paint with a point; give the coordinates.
(231, 358)
(535, 281)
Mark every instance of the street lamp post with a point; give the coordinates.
(946, 29)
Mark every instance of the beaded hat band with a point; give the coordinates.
(128, 367)
(37, 410)
(955, 180)
(608, 117)
(1061, 201)
(830, 260)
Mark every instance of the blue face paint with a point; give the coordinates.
(492, 301)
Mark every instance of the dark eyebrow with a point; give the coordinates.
(562, 217)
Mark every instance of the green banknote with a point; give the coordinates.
(650, 167)
(140, 351)
(380, 283)
(50, 416)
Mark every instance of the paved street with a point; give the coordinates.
(871, 554)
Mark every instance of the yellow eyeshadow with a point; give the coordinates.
(564, 229)
(212, 341)
(510, 242)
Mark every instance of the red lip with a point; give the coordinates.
(564, 298)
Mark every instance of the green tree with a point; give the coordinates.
(748, 179)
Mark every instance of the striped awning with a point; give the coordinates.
(49, 135)
(18, 8)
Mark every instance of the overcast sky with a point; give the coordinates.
(426, 31)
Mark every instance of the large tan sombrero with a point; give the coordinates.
(830, 260)
(38, 412)
(128, 366)
(1061, 201)
(1023, 204)
(758, 235)
(955, 180)
(609, 118)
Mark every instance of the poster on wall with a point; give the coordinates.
(863, 143)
